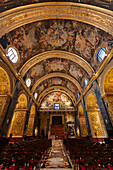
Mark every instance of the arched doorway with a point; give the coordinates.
(95, 119)
(4, 93)
(83, 126)
(19, 115)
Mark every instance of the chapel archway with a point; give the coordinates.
(5, 90)
(108, 89)
(83, 126)
(30, 127)
(95, 118)
(19, 115)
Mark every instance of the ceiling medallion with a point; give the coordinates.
(56, 35)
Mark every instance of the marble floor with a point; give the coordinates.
(57, 158)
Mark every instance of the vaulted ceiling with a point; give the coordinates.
(57, 43)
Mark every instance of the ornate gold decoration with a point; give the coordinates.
(31, 120)
(56, 54)
(108, 82)
(96, 124)
(82, 121)
(108, 88)
(19, 115)
(92, 103)
(17, 17)
(4, 93)
(56, 75)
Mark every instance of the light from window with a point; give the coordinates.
(85, 82)
(12, 54)
(78, 95)
(35, 96)
(101, 53)
(28, 82)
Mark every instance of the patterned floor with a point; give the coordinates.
(57, 158)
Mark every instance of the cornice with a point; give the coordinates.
(96, 16)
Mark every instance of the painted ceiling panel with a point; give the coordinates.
(71, 36)
(57, 65)
(56, 97)
(54, 81)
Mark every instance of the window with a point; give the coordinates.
(85, 82)
(12, 54)
(35, 96)
(78, 95)
(28, 82)
(101, 53)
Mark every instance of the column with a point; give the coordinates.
(86, 117)
(27, 117)
(102, 107)
(10, 110)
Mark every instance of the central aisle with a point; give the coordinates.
(57, 157)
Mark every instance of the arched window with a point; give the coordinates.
(101, 53)
(12, 54)
(85, 82)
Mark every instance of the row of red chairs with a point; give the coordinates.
(89, 155)
(24, 154)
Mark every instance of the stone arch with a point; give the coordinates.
(56, 75)
(56, 87)
(95, 118)
(56, 54)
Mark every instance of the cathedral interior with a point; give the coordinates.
(56, 69)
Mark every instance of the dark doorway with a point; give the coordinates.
(57, 120)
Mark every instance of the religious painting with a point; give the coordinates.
(56, 97)
(56, 81)
(52, 65)
(71, 36)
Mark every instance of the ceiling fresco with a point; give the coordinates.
(71, 36)
(9, 4)
(57, 81)
(56, 97)
(57, 65)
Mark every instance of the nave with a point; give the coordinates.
(41, 154)
(57, 157)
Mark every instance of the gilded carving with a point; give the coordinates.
(19, 115)
(31, 121)
(83, 126)
(96, 16)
